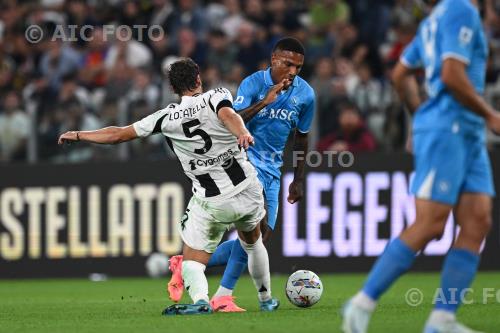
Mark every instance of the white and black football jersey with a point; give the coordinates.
(207, 150)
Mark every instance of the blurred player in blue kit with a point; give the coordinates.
(273, 103)
(452, 167)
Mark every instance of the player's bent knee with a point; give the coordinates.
(436, 230)
(195, 255)
(479, 226)
(252, 246)
(250, 237)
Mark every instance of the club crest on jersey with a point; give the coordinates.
(262, 113)
(239, 100)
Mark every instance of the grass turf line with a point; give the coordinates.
(135, 305)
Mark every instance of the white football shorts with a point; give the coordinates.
(205, 222)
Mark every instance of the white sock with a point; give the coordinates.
(258, 266)
(223, 291)
(195, 281)
(441, 316)
(364, 301)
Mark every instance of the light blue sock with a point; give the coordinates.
(222, 253)
(394, 262)
(235, 266)
(459, 269)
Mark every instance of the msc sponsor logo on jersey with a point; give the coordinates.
(194, 163)
(282, 114)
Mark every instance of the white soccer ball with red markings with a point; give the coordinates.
(304, 288)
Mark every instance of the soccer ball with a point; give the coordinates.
(304, 288)
(157, 265)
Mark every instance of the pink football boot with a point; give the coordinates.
(175, 286)
(225, 304)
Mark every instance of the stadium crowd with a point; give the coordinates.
(91, 79)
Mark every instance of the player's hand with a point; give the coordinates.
(494, 123)
(245, 140)
(295, 191)
(68, 137)
(272, 94)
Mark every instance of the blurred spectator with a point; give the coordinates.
(233, 79)
(7, 69)
(250, 51)
(352, 134)
(143, 89)
(221, 53)
(119, 81)
(93, 73)
(134, 53)
(78, 14)
(326, 113)
(73, 117)
(59, 59)
(14, 129)
(187, 14)
(372, 17)
(160, 49)
(255, 13)
(327, 14)
(283, 18)
(232, 19)
(211, 78)
(70, 90)
(366, 92)
(161, 12)
(188, 45)
(133, 13)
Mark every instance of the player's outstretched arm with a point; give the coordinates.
(234, 123)
(454, 76)
(107, 135)
(406, 86)
(248, 113)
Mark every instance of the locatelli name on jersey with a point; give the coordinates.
(187, 112)
(213, 161)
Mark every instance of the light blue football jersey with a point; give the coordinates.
(452, 30)
(294, 108)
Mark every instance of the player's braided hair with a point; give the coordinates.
(182, 75)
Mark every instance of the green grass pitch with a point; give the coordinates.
(134, 305)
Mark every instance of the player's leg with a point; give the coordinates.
(473, 214)
(200, 234)
(222, 254)
(436, 185)
(258, 267)
(193, 274)
(237, 262)
(251, 202)
(396, 260)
